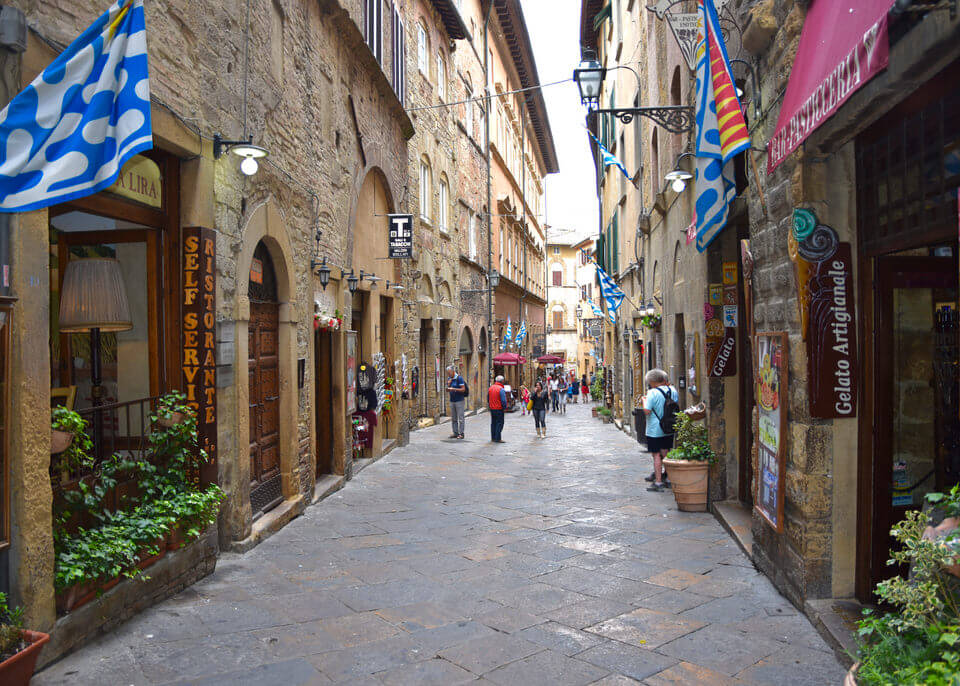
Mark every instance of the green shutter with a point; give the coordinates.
(601, 16)
(600, 253)
(615, 244)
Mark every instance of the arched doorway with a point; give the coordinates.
(263, 369)
(465, 353)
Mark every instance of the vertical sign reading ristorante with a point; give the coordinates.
(199, 361)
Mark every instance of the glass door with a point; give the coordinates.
(916, 415)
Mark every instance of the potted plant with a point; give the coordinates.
(19, 648)
(68, 438)
(171, 410)
(919, 643)
(606, 415)
(689, 464)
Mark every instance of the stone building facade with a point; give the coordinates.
(326, 109)
(867, 354)
(564, 296)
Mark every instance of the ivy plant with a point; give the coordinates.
(691, 441)
(79, 453)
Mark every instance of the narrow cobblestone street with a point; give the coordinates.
(531, 562)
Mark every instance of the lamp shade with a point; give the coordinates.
(94, 297)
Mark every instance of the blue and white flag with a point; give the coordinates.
(608, 158)
(509, 333)
(596, 309)
(719, 138)
(521, 333)
(68, 133)
(611, 292)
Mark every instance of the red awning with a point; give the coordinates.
(550, 359)
(509, 359)
(843, 45)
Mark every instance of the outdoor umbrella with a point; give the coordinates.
(550, 359)
(509, 359)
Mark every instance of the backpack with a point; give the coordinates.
(671, 408)
(466, 388)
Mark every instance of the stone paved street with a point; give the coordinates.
(527, 563)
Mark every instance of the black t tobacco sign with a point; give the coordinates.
(401, 236)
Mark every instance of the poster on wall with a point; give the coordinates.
(351, 371)
(771, 379)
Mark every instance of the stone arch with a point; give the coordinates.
(426, 289)
(443, 293)
(370, 232)
(266, 225)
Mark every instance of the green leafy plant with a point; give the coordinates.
(596, 389)
(920, 642)
(651, 321)
(11, 629)
(78, 454)
(691, 442)
(604, 412)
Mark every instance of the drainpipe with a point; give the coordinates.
(13, 40)
(486, 134)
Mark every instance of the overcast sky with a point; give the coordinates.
(554, 27)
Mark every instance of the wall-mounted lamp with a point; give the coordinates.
(679, 176)
(245, 149)
(319, 267)
(755, 94)
(494, 277)
(352, 282)
(394, 286)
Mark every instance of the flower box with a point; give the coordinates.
(17, 669)
(145, 558)
(689, 480)
(73, 597)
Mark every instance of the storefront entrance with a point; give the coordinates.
(324, 402)
(908, 173)
(264, 388)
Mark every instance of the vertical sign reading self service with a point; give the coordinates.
(199, 361)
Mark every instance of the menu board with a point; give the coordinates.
(771, 379)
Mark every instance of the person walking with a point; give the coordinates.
(585, 389)
(554, 386)
(575, 387)
(562, 388)
(524, 399)
(660, 404)
(496, 403)
(457, 388)
(539, 401)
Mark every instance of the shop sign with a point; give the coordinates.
(140, 180)
(401, 236)
(771, 376)
(832, 337)
(199, 336)
(730, 316)
(716, 294)
(729, 273)
(721, 351)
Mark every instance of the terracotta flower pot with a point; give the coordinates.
(17, 669)
(59, 441)
(175, 539)
(593, 410)
(851, 678)
(689, 484)
(174, 419)
(71, 598)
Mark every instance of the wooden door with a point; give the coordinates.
(324, 402)
(263, 369)
(915, 386)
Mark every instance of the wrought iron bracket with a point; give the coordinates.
(673, 118)
(928, 7)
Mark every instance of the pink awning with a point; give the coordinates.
(509, 359)
(843, 45)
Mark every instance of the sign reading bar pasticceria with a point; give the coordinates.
(401, 236)
(199, 338)
(832, 337)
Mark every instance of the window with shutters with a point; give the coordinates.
(442, 202)
(373, 23)
(441, 77)
(399, 57)
(472, 235)
(426, 190)
(423, 51)
(557, 320)
(557, 276)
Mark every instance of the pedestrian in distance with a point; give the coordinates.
(538, 408)
(661, 405)
(575, 388)
(584, 388)
(496, 403)
(457, 388)
(562, 388)
(524, 399)
(554, 386)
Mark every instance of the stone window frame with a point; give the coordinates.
(441, 76)
(423, 50)
(443, 204)
(426, 190)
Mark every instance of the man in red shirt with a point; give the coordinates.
(497, 403)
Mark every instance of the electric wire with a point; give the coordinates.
(486, 97)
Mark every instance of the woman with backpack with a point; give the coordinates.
(661, 404)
